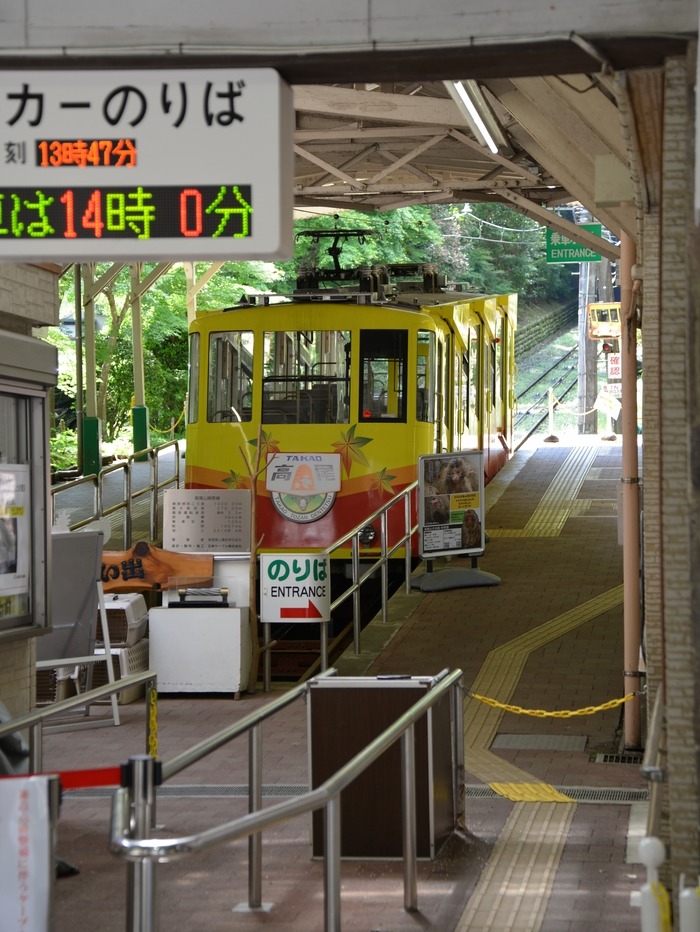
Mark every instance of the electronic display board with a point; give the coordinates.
(145, 164)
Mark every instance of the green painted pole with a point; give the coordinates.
(139, 427)
(92, 445)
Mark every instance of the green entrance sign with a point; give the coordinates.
(562, 249)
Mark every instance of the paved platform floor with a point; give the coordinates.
(554, 805)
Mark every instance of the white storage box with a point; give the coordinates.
(200, 650)
(126, 661)
(127, 619)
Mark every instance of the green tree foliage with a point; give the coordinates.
(406, 235)
(494, 248)
(233, 280)
(489, 247)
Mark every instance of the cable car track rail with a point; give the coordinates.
(535, 406)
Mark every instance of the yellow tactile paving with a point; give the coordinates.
(501, 671)
(490, 768)
(530, 792)
(555, 506)
(514, 886)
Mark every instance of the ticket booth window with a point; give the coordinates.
(24, 483)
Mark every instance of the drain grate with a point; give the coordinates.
(617, 759)
(209, 791)
(540, 742)
(580, 794)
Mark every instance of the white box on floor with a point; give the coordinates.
(200, 650)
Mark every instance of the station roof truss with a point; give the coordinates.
(571, 116)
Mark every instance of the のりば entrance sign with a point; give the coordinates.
(145, 164)
(295, 587)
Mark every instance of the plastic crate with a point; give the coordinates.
(57, 683)
(127, 619)
(46, 687)
(127, 661)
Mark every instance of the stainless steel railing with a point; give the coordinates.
(363, 567)
(34, 721)
(654, 763)
(133, 493)
(133, 808)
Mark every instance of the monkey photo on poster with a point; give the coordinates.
(450, 500)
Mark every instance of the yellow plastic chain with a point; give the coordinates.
(662, 899)
(153, 722)
(542, 713)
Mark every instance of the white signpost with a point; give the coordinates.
(295, 587)
(146, 164)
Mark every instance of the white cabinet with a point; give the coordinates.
(200, 650)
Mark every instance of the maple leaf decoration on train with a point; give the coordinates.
(383, 481)
(235, 480)
(267, 445)
(350, 449)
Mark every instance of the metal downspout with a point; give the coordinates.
(630, 495)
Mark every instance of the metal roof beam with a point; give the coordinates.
(571, 230)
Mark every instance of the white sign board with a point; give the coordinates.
(614, 366)
(451, 504)
(206, 520)
(295, 587)
(145, 164)
(26, 854)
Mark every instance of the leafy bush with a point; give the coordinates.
(64, 450)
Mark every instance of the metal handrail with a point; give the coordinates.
(653, 766)
(380, 562)
(126, 505)
(34, 721)
(72, 484)
(213, 743)
(132, 810)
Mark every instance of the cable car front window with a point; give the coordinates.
(383, 363)
(306, 377)
(229, 397)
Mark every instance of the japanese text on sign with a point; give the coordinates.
(125, 103)
(206, 520)
(142, 213)
(294, 587)
(145, 164)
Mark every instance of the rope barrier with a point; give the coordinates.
(542, 713)
(155, 429)
(99, 776)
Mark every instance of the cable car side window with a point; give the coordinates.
(193, 380)
(229, 395)
(425, 382)
(383, 364)
(464, 399)
(475, 407)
